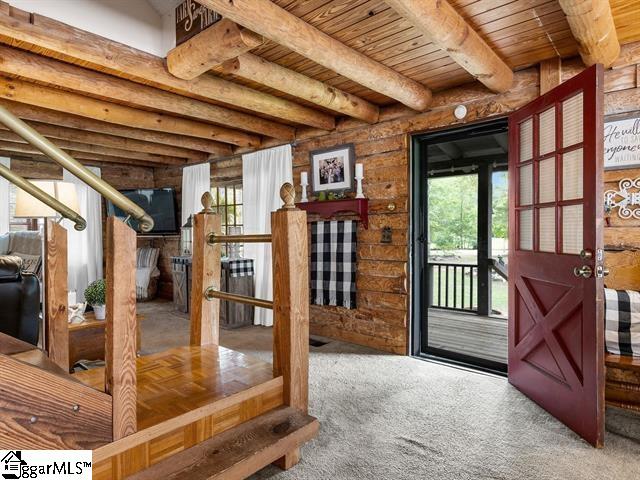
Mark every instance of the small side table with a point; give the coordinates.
(86, 339)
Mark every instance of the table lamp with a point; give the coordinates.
(29, 207)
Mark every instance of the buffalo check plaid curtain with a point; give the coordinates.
(333, 263)
(622, 317)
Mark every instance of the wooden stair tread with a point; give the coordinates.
(184, 379)
(626, 362)
(239, 452)
(10, 345)
(39, 359)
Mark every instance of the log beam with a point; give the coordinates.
(99, 149)
(55, 99)
(63, 119)
(591, 23)
(55, 39)
(29, 151)
(259, 70)
(446, 28)
(274, 22)
(220, 42)
(127, 144)
(46, 71)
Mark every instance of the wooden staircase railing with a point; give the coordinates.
(290, 294)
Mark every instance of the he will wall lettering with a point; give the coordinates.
(622, 143)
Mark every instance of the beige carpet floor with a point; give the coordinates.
(393, 417)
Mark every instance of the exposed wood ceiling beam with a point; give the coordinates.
(275, 23)
(259, 70)
(592, 26)
(124, 143)
(55, 99)
(99, 149)
(63, 119)
(220, 42)
(70, 77)
(26, 149)
(56, 39)
(446, 28)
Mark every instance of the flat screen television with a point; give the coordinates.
(159, 203)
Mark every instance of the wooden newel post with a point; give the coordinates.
(56, 294)
(291, 300)
(121, 328)
(291, 305)
(205, 269)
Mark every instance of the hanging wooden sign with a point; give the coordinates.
(622, 143)
(192, 18)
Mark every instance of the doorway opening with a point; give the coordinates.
(460, 247)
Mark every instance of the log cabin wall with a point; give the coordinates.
(381, 320)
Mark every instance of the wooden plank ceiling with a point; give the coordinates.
(121, 100)
(522, 32)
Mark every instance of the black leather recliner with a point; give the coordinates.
(19, 301)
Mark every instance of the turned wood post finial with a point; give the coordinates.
(207, 202)
(288, 196)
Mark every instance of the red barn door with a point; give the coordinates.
(556, 326)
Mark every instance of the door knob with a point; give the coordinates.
(586, 254)
(584, 271)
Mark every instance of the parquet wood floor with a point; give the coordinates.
(183, 379)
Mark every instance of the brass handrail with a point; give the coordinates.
(211, 293)
(44, 197)
(76, 168)
(214, 238)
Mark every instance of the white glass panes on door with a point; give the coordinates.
(526, 140)
(547, 180)
(572, 124)
(572, 175)
(572, 229)
(547, 229)
(526, 185)
(547, 131)
(526, 229)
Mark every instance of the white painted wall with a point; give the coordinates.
(132, 22)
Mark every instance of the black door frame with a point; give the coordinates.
(419, 236)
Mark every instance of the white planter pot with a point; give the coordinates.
(100, 311)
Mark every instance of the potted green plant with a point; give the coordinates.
(95, 295)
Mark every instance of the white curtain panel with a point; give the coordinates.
(196, 180)
(85, 247)
(4, 198)
(263, 173)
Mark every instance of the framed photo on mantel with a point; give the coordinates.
(332, 169)
(622, 143)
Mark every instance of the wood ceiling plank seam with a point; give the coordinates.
(308, 17)
(525, 34)
(336, 26)
(528, 24)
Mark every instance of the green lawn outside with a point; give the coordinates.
(499, 290)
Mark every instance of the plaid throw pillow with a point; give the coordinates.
(622, 317)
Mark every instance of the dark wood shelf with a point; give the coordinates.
(328, 208)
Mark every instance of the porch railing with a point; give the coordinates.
(453, 286)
